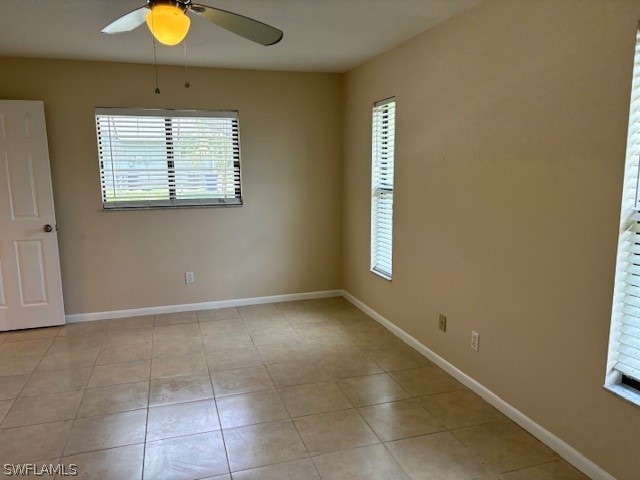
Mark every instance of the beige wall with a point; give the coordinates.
(285, 239)
(511, 139)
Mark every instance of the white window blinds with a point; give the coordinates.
(624, 346)
(168, 158)
(383, 150)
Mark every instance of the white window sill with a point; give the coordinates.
(629, 394)
(380, 274)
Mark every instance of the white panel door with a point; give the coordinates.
(30, 287)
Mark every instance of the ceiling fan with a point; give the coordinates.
(169, 23)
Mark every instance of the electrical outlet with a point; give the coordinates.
(475, 341)
(189, 279)
(442, 324)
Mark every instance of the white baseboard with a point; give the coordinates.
(189, 307)
(566, 451)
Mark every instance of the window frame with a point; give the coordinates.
(378, 189)
(627, 265)
(172, 202)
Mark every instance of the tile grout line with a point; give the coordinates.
(215, 401)
(84, 391)
(146, 422)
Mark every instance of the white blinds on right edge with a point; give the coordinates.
(383, 152)
(624, 345)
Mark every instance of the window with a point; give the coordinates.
(168, 158)
(382, 153)
(623, 369)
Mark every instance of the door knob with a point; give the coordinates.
(48, 228)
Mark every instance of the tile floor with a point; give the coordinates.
(300, 391)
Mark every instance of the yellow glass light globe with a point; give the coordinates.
(168, 24)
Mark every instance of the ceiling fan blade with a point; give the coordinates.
(240, 25)
(128, 21)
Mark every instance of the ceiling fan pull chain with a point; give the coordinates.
(186, 73)
(155, 64)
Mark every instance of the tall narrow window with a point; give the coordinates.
(623, 369)
(382, 153)
(168, 158)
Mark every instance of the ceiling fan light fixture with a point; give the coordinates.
(168, 23)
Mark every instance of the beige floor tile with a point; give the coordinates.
(504, 446)
(71, 343)
(242, 380)
(128, 337)
(131, 323)
(254, 324)
(114, 398)
(57, 381)
(5, 405)
(297, 373)
(348, 365)
(399, 359)
(69, 359)
(361, 325)
(251, 408)
(332, 343)
(295, 351)
(124, 353)
(119, 373)
(460, 408)
(165, 367)
(314, 398)
(85, 328)
(319, 332)
(232, 359)
(175, 318)
(328, 351)
(347, 314)
(329, 432)
(335, 305)
(300, 318)
(178, 330)
(19, 366)
(10, 387)
(263, 444)
(219, 477)
(43, 408)
(378, 340)
(25, 444)
(296, 470)
(226, 341)
(218, 314)
(218, 327)
(175, 347)
(426, 381)
(276, 335)
(263, 310)
(440, 456)
(372, 389)
(27, 348)
(182, 419)
(190, 388)
(558, 470)
(117, 463)
(32, 334)
(185, 458)
(107, 431)
(372, 462)
(296, 306)
(397, 420)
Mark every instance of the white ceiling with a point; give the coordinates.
(319, 35)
